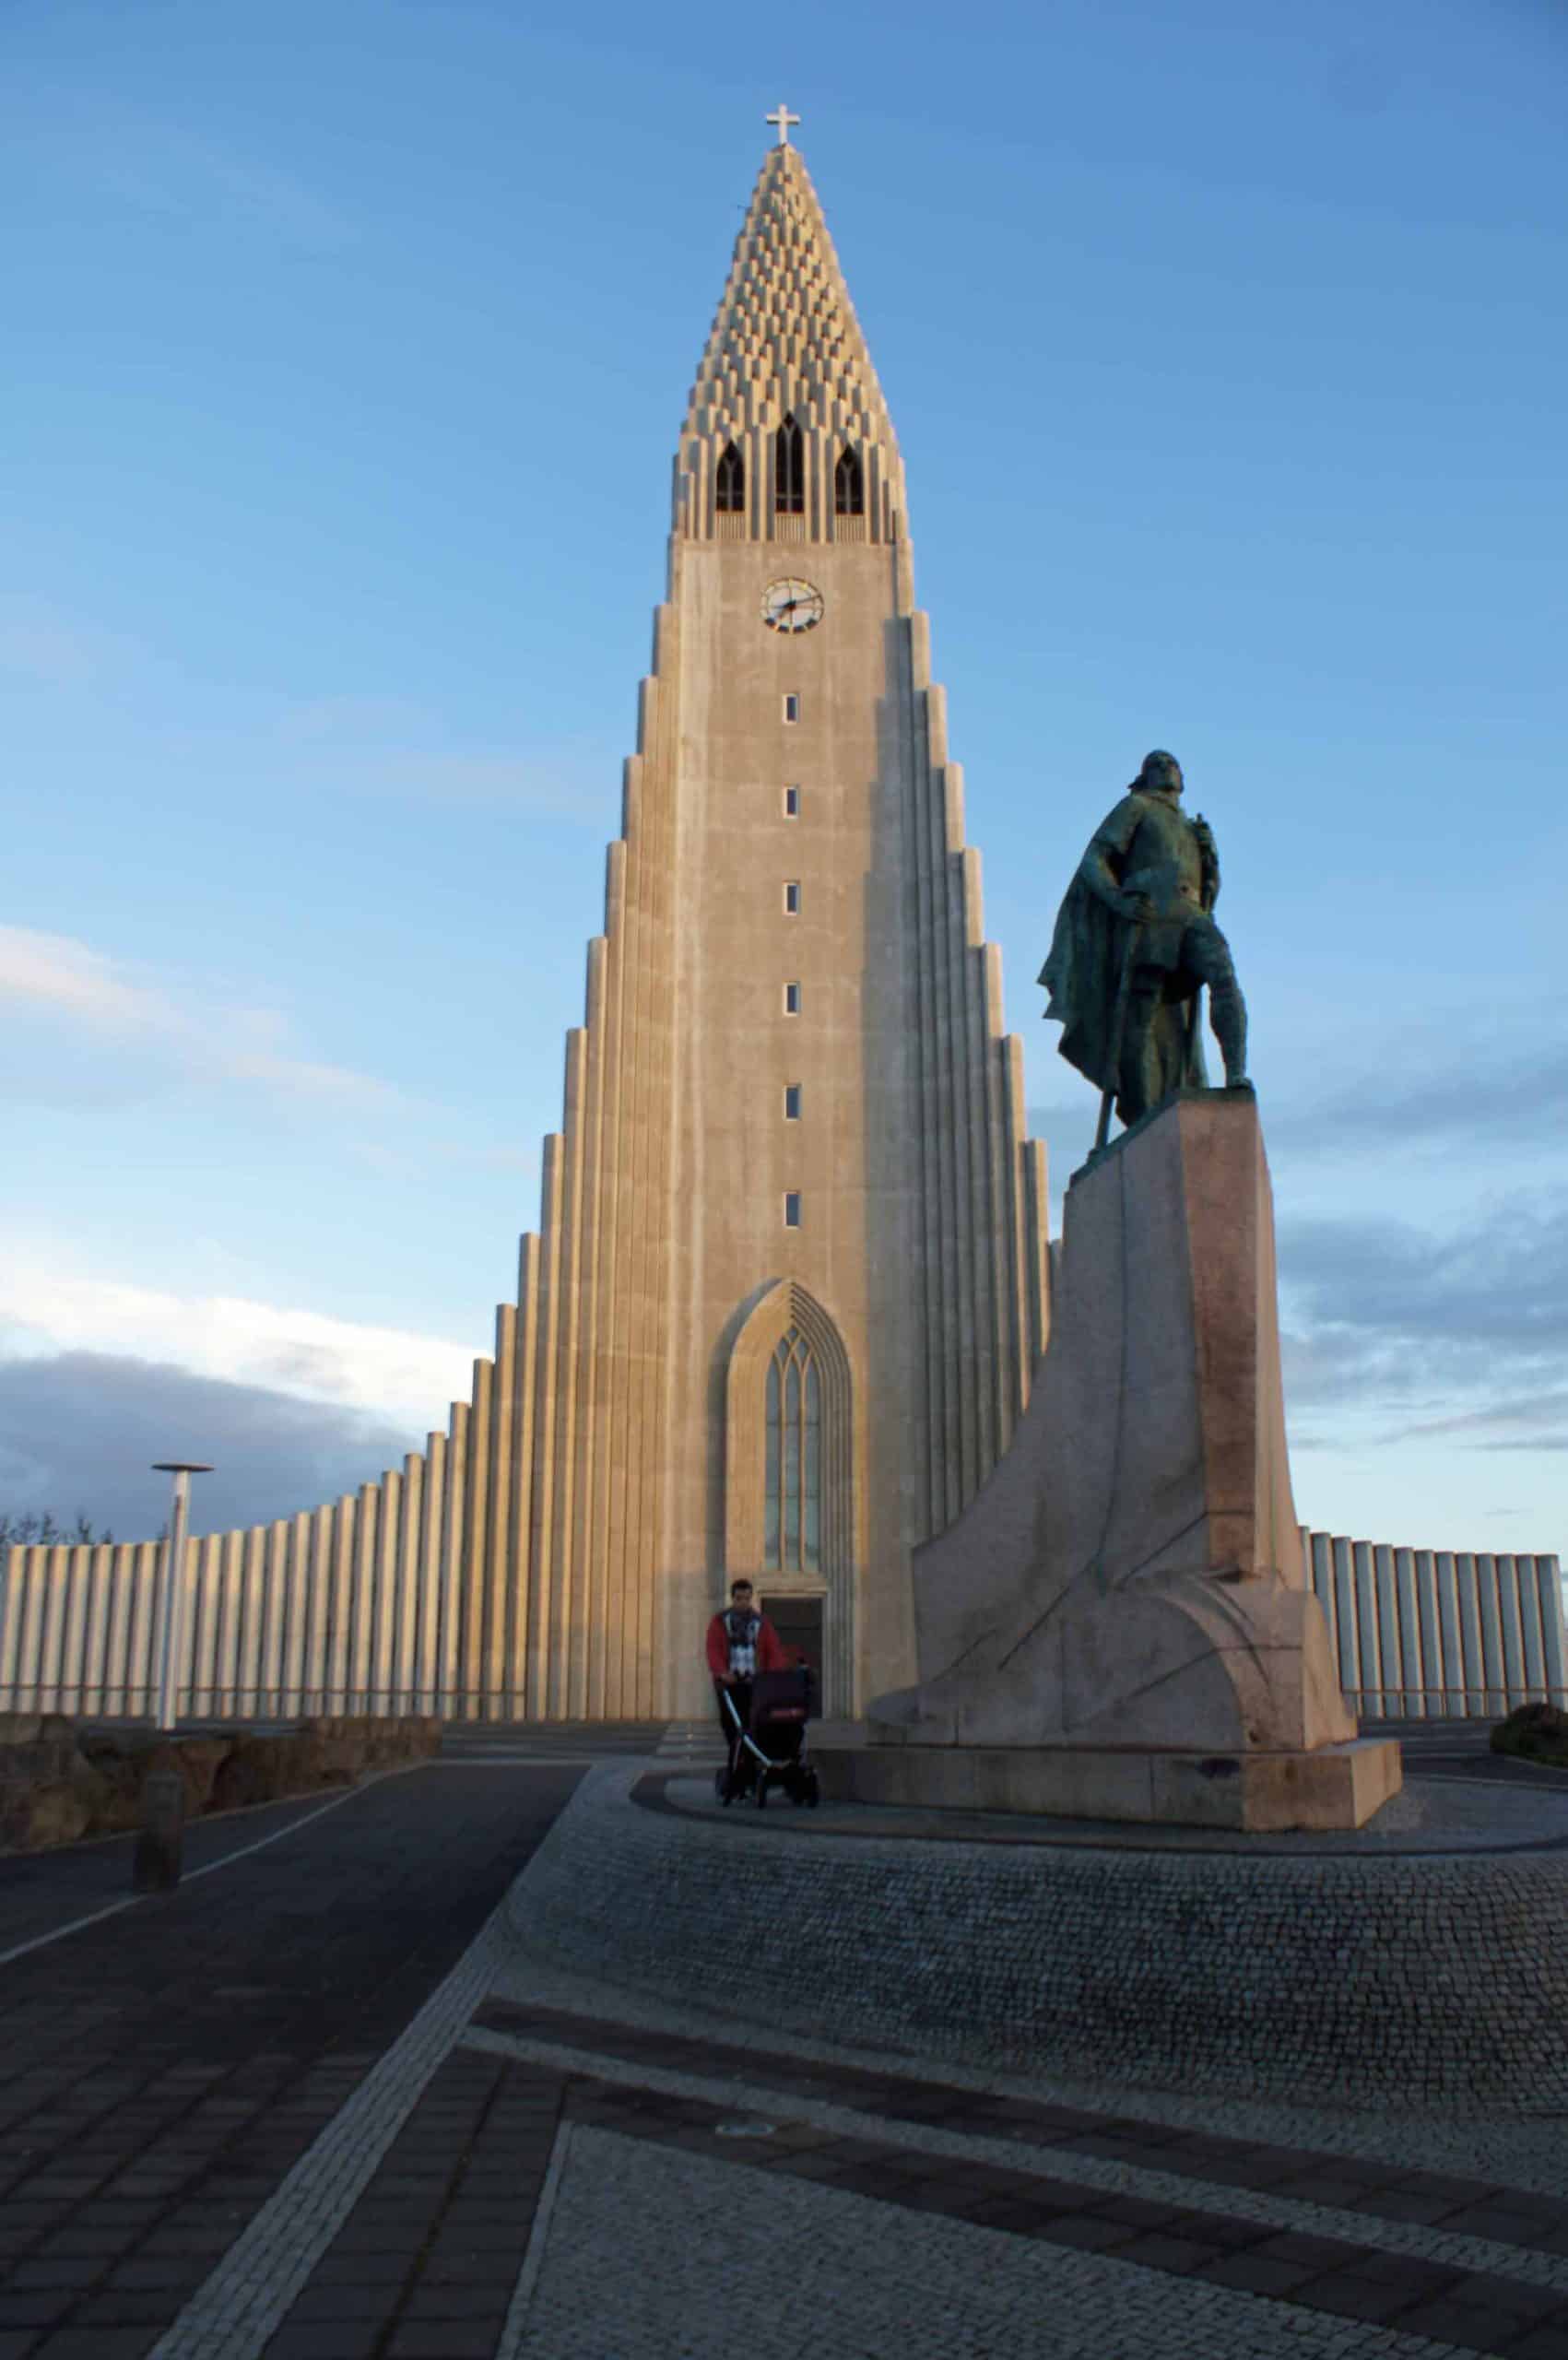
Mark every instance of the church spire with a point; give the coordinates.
(786, 357)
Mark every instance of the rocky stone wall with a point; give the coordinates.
(60, 1783)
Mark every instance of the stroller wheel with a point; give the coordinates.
(762, 1791)
(721, 1784)
(813, 1790)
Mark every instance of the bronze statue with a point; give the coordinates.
(1135, 943)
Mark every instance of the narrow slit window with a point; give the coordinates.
(792, 899)
(792, 999)
(731, 490)
(775, 1437)
(789, 470)
(791, 705)
(811, 1475)
(849, 485)
(791, 803)
(792, 1455)
(792, 1221)
(792, 1101)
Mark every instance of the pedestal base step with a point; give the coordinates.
(1334, 1786)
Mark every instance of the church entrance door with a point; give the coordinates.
(798, 1621)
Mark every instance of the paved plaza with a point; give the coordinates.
(325, 2103)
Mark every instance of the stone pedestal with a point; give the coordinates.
(1130, 1583)
(1335, 1786)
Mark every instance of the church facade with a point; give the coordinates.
(789, 1283)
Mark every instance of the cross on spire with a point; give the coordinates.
(783, 117)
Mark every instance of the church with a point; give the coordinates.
(789, 1283)
(811, 1290)
(789, 1288)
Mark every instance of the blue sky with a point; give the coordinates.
(347, 344)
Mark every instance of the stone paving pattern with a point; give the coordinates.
(425, 2265)
(990, 2158)
(789, 2271)
(593, 2173)
(161, 2073)
(1390, 2189)
(1410, 1984)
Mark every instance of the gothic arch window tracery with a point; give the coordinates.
(792, 1527)
(849, 485)
(789, 469)
(730, 498)
(794, 1512)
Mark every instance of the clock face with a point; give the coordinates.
(792, 606)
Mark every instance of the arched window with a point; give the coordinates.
(792, 1524)
(731, 483)
(789, 470)
(849, 486)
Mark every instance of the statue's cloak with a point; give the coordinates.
(1083, 973)
(1083, 970)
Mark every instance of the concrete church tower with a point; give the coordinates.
(788, 1289)
(847, 1292)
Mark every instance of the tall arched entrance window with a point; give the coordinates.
(792, 1498)
(792, 1523)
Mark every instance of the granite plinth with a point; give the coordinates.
(1331, 1786)
(1125, 1601)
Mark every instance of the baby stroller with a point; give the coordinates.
(770, 1744)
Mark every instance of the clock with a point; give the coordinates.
(792, 606)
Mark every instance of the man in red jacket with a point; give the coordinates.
(741, 1643)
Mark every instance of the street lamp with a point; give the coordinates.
(171, 1594)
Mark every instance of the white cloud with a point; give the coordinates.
(275, 199)
(351, 721)
(476, 1154)
(58, 974)
(63, 973)
(562, 788)
(40, 642)
(394, 746)
(408, 1380)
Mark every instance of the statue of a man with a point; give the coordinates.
(1135, 941)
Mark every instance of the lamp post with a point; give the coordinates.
(159, 1856)
(170, 1600)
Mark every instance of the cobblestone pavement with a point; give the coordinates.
(1437, 1749)
(163, 2071)
(317, 2106)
